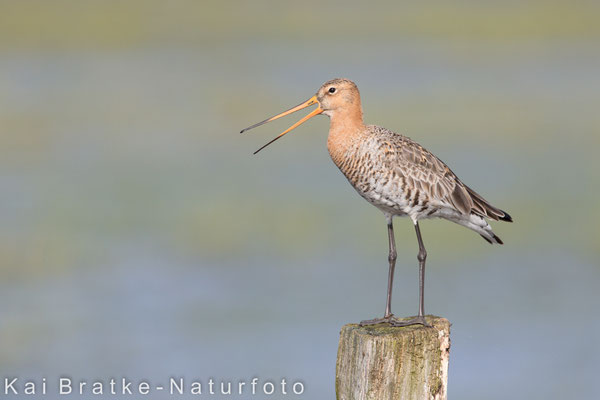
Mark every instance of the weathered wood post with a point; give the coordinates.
(381, 362)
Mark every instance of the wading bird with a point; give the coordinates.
(396, 175)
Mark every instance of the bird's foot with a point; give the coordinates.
(395, 322)
(419, 320)
(376, 321)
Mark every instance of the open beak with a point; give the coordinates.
(307, 103)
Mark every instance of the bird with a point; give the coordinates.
(395, 174)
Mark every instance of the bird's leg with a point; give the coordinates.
(392, 255)
(422, 256)
(392, 261)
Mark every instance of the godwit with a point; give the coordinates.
(396, 175)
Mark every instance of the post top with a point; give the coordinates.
(438, 324)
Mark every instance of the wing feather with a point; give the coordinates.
(421, 170)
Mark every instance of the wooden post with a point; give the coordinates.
(381, 362)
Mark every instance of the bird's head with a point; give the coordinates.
(335, 97)
(338, 95)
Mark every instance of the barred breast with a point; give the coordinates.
(365, 163)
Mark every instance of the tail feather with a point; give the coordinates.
(469, 209)
(486, 239)
(483, 208)
(506, 217)
(478, 224)
(495, 238)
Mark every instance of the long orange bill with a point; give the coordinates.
(307, 103)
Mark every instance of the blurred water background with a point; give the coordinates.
(141, 238)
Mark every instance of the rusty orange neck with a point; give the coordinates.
(345, 127)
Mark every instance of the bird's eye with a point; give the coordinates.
(332, 90)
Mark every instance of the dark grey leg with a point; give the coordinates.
(422, 256)
(392, 255)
